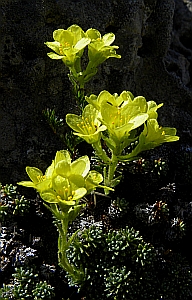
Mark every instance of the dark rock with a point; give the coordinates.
(154, 38)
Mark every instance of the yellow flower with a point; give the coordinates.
(64, 182)
(69, 44)
(86, 126)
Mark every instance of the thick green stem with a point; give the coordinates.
(109, 180)
(112, 168)
(62, 256)
(101, 153)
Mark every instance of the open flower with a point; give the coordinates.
(114, 99)
(121, 120)
(68, 44)
(152, 136)
(63, 192)
(121, 114)
(99, 49)
(64, 182)
(38, 181)
(86, 126)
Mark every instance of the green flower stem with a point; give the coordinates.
(62, 248)
(109, 178)
(101, 152)
(112, 168)
(78, 87)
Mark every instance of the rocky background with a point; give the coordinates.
(155, 42)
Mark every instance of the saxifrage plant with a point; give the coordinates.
(110, 123)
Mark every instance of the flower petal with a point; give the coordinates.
(49, 197)
(55, 56)
(74, 121)
(77, 32)
(27, 184)
(54, 46)
(64, 37)
(34, 174)
(79, 193)
(62, 155)
(108, 39)
(82, 44)
(81, 166)
(93, 180)
(93, 34)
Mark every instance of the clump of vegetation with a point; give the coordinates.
(119, 265)
(113, 258)
(11, 202)
(25, 285)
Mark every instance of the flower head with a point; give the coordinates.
(68, 44)
(153, 135)
(114, 99)
(86, 126)
(120, 114)
(99, 49)
(64, 182)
